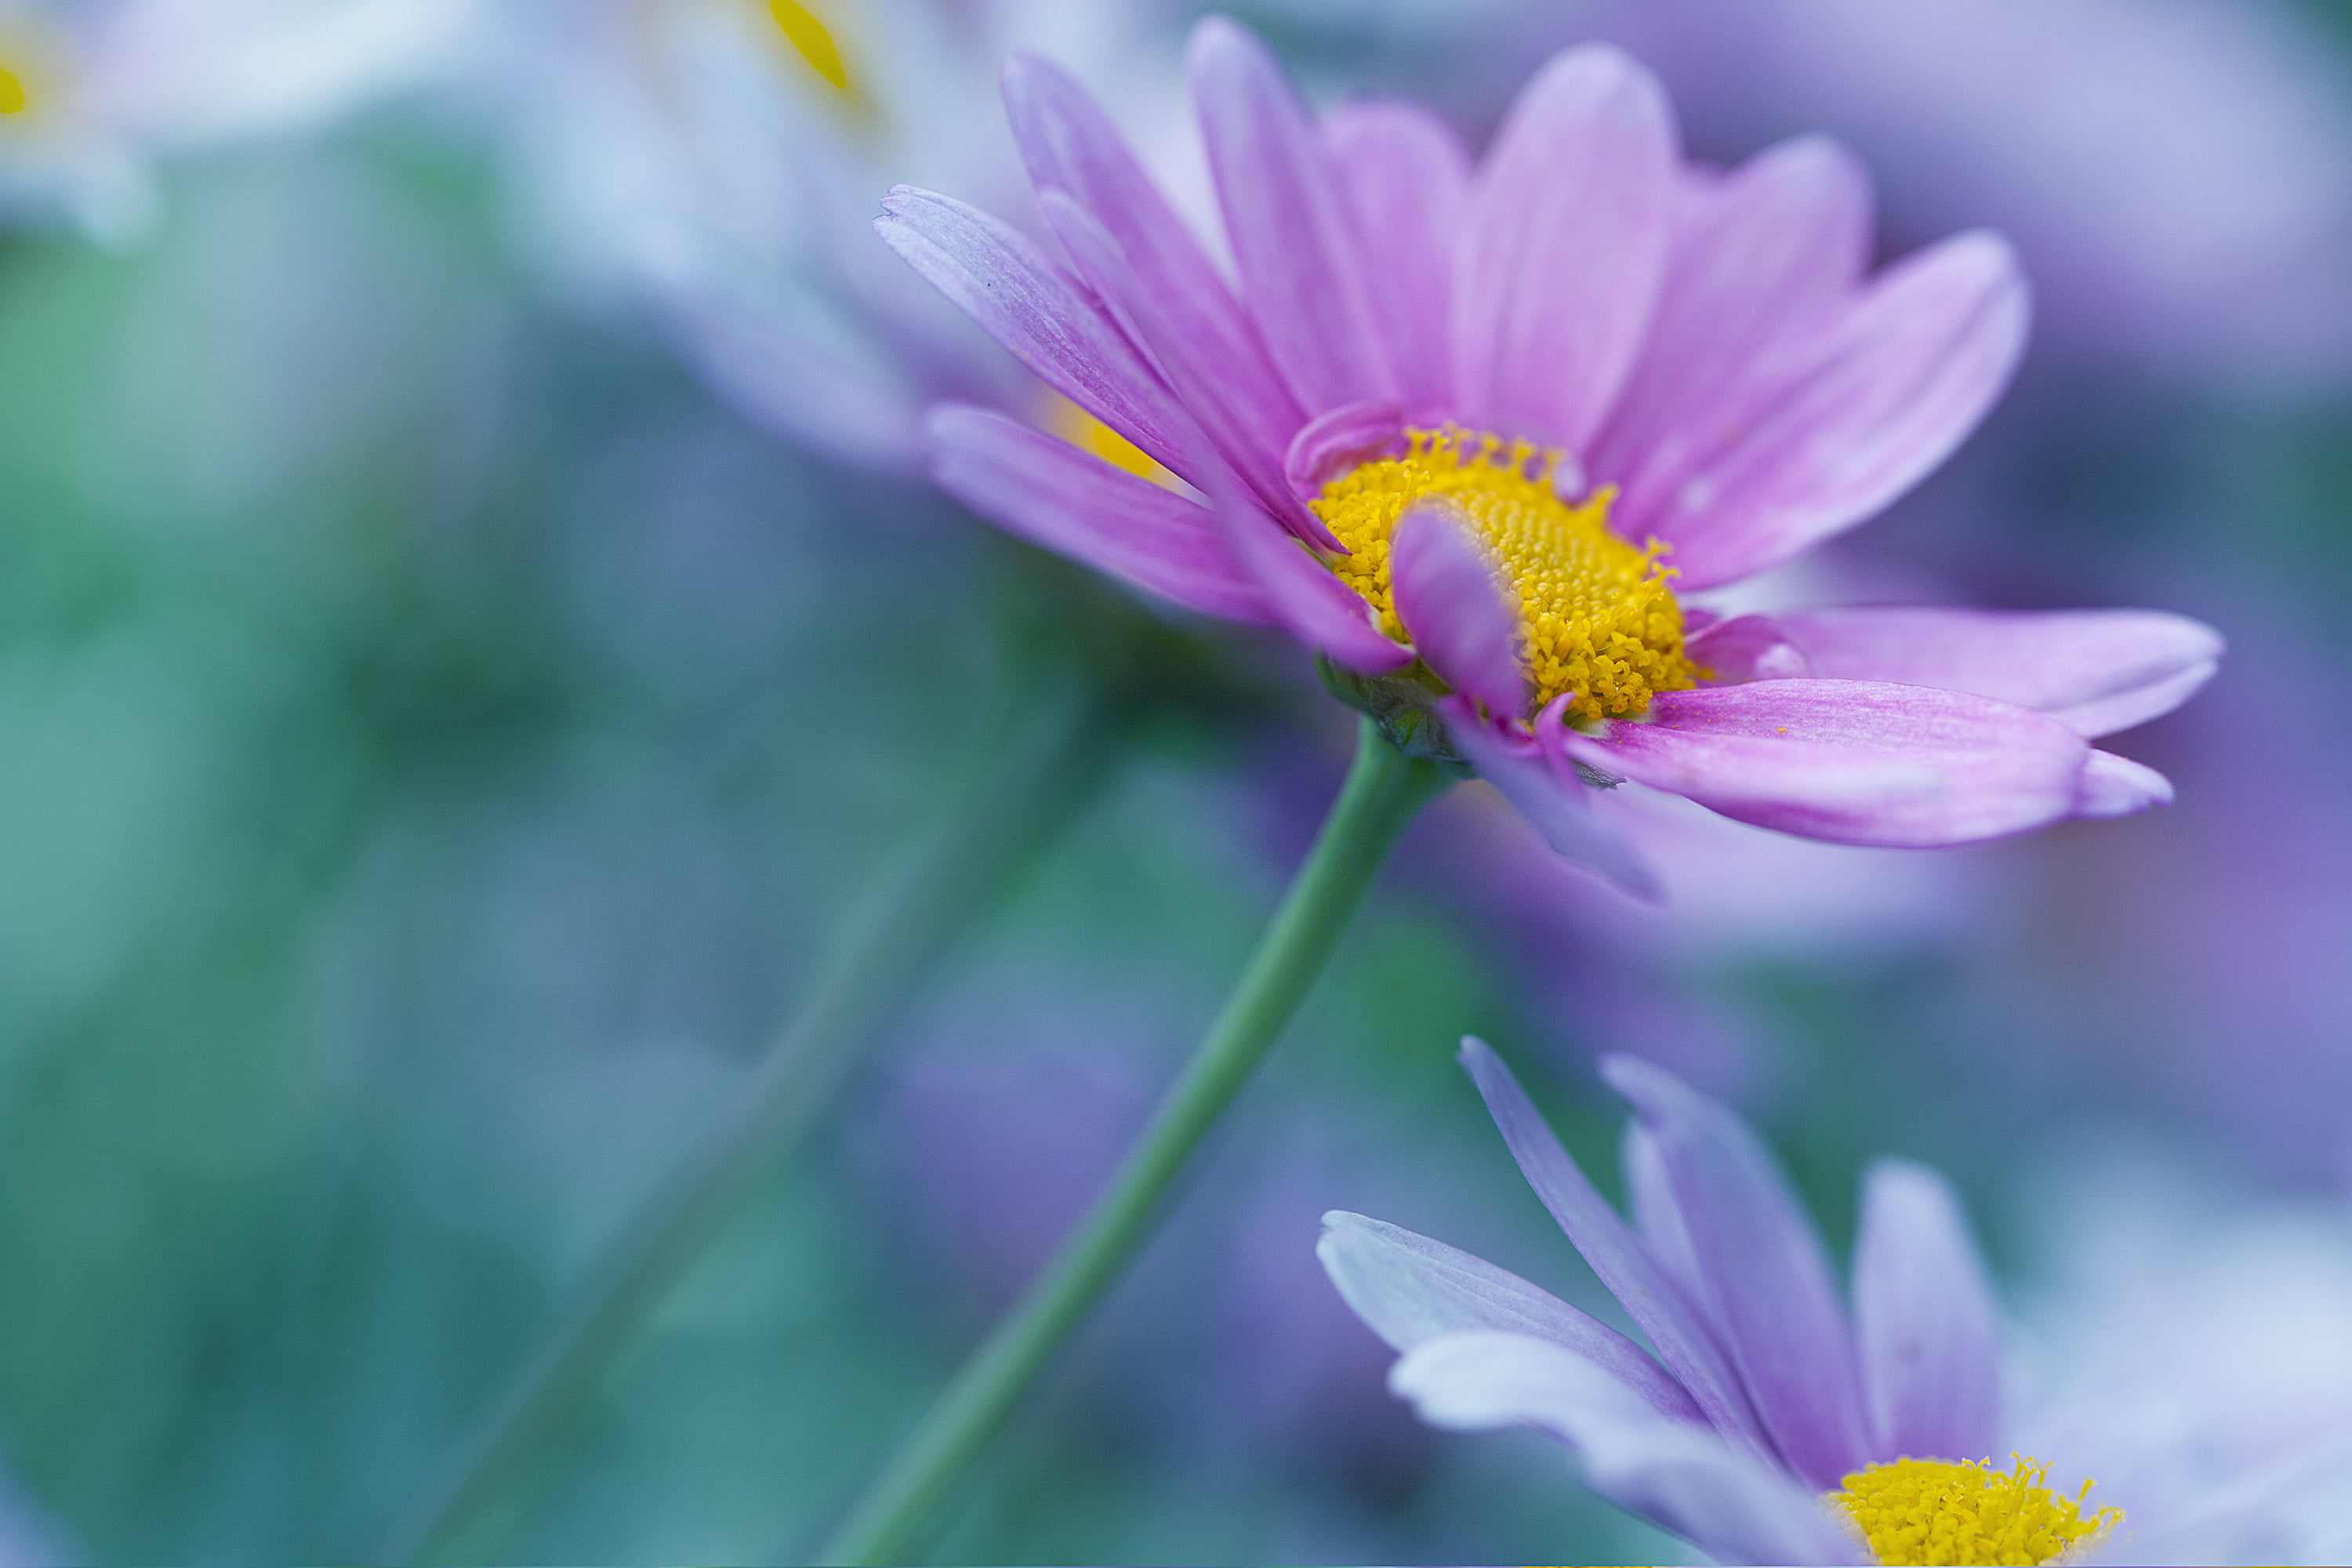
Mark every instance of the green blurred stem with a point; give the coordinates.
(1036, 781)
(1383, 791)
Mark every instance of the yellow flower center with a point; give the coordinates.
(1935, 1511)
(13, 99)
(1596, 614)
(1089, 433)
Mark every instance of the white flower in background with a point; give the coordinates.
(719, 162)
(93, 92)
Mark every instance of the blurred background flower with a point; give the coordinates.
(418, 808)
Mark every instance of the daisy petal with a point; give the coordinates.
(1902, 378)
(1652, 1300)
(1316, 607)
(2117, 787)
(1766, 1275)
(1448, 598)
(1018, 297)
(1067, 141)
(1924, 1318)
(1293, 241)
(2095, 671)
(1338, 439)
(1559, 807)
(1760, 258)
(1051, 493)
(1565, 249)
(1411, 1289)
(1678, 1477)
(1650, 1197)
(1854, 761)
(1138, 314)
(1406, 181)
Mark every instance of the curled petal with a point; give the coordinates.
(2111, 786)
(1454, 606)
(1747, 647)
(2095, 671)
(1551, 796)
(1853, 761)
(1339, 439)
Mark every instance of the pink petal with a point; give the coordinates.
(1760, 260)
(2095, 671)
(1853, 761)
(1924, 1318)
(1566, 249)
(1339, 439)
(1552, 799)
(1316, 607)
(1448, 598)
(1903, 375)
(1072, 502)
(1301, 261)
(1177, 363)
(1406, 183)
(1747, 647)
(1067, 140)
(1019, 299)
(2117, 787)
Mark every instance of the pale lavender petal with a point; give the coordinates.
(1650, 1297)
(1406, 181)
(1759, 259)
(1854, 761)
(2111, 786)
(1923, 1320)
(1177, 361)
(1301, 264)
(1018, 297)
(1565, 249)
(1745, 648)
(1067, 141)
(1556, 803)
(1051, 493)
(1682, 1478)
(1650, 1195)
(1904, 375)
(2095, 671)
(1767, 1279)
(1448, 596)
(1339, 439)
(1410, 1289)
(1318, 609)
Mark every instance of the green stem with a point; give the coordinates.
(1384, 791)
(1034, 785)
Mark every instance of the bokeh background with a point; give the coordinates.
(473, 639)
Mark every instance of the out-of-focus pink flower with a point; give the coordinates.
(1444, 402)
(93, 92)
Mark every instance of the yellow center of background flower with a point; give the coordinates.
(13, 98)
(1596, 615)
(1936, 1510)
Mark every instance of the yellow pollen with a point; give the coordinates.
(1935, 1511)
(810, 36)
(1089, 433)
(1597, 615)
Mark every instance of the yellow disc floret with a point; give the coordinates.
(1936, 1510)
(1597, 616)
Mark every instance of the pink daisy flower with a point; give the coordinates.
(1474, 435)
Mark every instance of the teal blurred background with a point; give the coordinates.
(440, 740)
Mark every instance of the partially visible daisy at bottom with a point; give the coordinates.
(1764, 1423)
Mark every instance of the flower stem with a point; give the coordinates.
(1034, 783)
(1384, 791)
